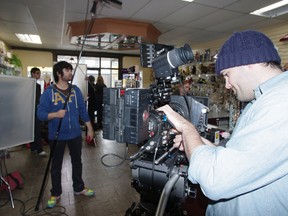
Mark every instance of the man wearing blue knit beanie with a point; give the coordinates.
(249, 176)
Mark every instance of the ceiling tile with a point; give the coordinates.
(47, 18)
(163, 27)
(219, 16)
(188, 14)
(248, 6)
(48, 5)
(236, 24)
(153, 11)
(21, 28)
(129, 8)
(13, 12)
(216, 3)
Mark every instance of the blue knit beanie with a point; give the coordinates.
(244, 48)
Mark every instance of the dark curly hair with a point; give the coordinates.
(58, 69)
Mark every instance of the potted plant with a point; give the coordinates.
(15, 60)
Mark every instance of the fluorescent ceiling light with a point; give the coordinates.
(188, 0)
(29, 38)
(274, 10)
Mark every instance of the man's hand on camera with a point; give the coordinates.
(175, 118)
(178, 142)
(189, 134)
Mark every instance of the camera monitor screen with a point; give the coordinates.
(17, 107)
(202, 99)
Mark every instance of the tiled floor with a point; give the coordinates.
(114, 194)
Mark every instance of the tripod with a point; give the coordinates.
(3, 181)
(148, 202)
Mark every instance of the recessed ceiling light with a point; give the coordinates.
(188, 0)
(29, 38)
(273, 10)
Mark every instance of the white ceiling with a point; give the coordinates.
(179, 22)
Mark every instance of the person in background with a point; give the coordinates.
(285, 68)
(249, 175)
(51, 108)
(183, 88)
(36, 146)
(91, 100)
(47, 80)
(100, 85)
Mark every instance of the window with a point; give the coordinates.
(109, 63)
(91, 62)
(70, 59)
(109, 76)
(107, 67)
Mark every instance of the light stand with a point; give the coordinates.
(2, 180)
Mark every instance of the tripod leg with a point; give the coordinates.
(9, 189)
(130, 209)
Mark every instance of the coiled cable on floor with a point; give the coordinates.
(122, 159)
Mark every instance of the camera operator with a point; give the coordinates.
(249, 176)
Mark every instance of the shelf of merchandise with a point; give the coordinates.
(223, 105)
(8, 70)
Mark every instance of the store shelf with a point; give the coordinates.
(11, 71)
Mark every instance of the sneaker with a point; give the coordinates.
(34, 151)
(86, 192)
(51, 203)
(42, 154)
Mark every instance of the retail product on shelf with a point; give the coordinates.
(224, 107)
(10, 64)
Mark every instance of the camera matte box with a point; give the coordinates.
(191, 108)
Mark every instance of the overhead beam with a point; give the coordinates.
(146, 31)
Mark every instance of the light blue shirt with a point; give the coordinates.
(250, 176)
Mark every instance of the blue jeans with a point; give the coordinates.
(75, 150)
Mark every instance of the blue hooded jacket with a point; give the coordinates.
(53, 100)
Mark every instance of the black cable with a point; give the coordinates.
(123, 159)
(5, 201)
(23, 210)
(57, 211)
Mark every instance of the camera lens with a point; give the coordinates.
(180, 56)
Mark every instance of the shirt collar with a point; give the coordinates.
(269, 84)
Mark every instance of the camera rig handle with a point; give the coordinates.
(162, 157)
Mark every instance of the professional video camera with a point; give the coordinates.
(131, 116)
